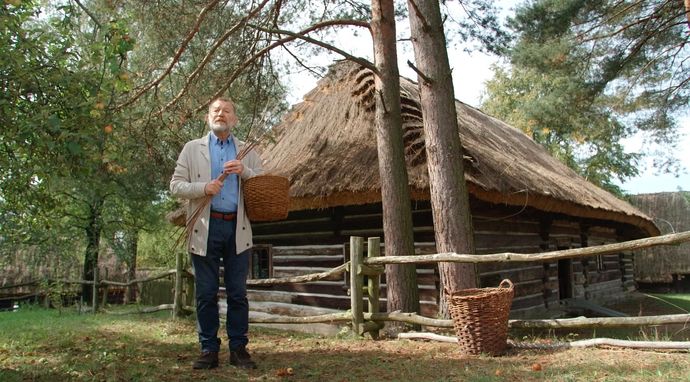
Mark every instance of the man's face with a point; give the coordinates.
(221, 117)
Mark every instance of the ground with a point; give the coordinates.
(45, 345)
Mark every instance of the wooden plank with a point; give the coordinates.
(488, 268)
(306, 250)
(308, 261)
(319, 287)
(516, 275)
(295, 226)
(528, 301)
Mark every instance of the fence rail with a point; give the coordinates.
(358, 266)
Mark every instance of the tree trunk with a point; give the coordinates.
(449, 199)
(93, 238)
(401, 280)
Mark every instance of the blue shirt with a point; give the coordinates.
(221, 152)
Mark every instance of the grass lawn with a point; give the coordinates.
(43, 345)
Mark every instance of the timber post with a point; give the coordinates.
(356, 284)
(177, 301)
(94, 291)
(104, 301)
(374, 285)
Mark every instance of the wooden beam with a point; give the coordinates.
(303, 278)
(669, 239)
(564, 345)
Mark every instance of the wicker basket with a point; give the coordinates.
(266, 197)
(480, 318)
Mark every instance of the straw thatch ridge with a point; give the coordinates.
(327, 148)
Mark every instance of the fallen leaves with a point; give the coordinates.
(284, 372)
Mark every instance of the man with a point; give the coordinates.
(221, 233)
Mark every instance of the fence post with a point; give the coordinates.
(94, 291)
(374, 284)
(356, 283)
(177, 301)
(104, 302)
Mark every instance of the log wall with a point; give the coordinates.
(315, 241)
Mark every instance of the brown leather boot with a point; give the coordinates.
(207, 360)
(241, 358)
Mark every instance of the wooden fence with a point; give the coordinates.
(372, 266)
(177, 306)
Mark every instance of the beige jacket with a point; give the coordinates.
(191, 174)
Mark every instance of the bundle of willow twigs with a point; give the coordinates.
(191, 220)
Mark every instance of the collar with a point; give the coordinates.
(217, 141)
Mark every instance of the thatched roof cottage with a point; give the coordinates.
(522, 200)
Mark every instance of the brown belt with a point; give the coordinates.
(223, 216)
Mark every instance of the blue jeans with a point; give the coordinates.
(221, 247)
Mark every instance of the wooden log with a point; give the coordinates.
(142, 280)
(286, 309)
(115, 283)
(669, 239)
(308, 250)
(276, 319)
(149, 309)
(370, 270)
(374, 285)
(28, 283)
(356, 284)
(675, 345)
(598, 322)
(410, 318)
(667, 345)
(303, 278)
(579, 322)
(427, 336)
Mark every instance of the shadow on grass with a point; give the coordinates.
(157, 349)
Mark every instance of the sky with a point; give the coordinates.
(470, 72)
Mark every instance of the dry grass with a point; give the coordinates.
(40, 345)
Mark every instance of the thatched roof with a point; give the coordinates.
(327, 148)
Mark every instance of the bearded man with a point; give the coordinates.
(221, 234)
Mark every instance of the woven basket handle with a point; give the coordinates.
(506, 284)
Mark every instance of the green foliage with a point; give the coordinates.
(584, 76)
(57, 293)
(81, 161)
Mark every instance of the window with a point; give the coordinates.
(261, 262)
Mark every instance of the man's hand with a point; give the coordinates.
(233, 167)
(213, 187)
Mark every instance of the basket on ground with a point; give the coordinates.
(480, 318)
(266, 197)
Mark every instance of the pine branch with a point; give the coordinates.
(176, 58)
